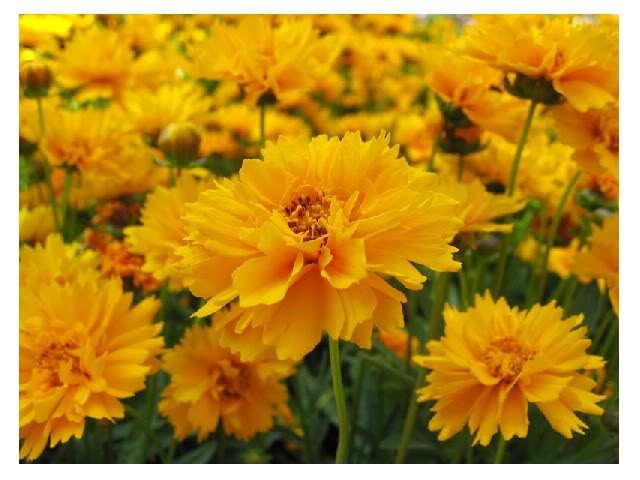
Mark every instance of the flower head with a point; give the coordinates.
(36, 223)
(210, 384)
(304, 239)
(579, 62)
(494, 360)
(600, 260)
(82, 348)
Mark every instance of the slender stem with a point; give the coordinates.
(502, 262)
(597, 338)
(500, 450)
(478, 279)
(356, 407)
(341, 404)
(464, 290)
(409, 421)
(552, 234)
(569, 294)
(222, 443)
(263, 112)
(64, 204)
(47, 171)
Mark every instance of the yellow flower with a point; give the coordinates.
(82, 348)
(162, 229)
(474, 88)
(149, 111)
(209, 384)
(43, 31)
(54, 262)
(477, 207)
(282, 60)
(595, 136)
(601, 260)
(36, 223)
(493, 360)
(579, 61)
(417, 133)
(309, 233)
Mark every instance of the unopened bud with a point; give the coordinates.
(180, 141)
(487, 244)
(611, 419)
(537, 89)
(36, 78)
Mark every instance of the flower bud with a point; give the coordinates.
(36, 78)
(487, 244)
(539, 90)
(611, 419)
(180, 142)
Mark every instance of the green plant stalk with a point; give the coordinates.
(47, 172)
(263, 113)
(64, 204)
(502, 262)
(410, 419)
(434, 151)
(355, 407)
(552, 234)
(341, 404)
(569, 294)
(464, 290)
(500, 450)
(478, 279)
(597, 338)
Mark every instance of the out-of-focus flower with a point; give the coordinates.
(117, 260)
(36, 223)
(43, 31)
(210, 384)
(600, 260)
(83, 347)
(579, 62)
(162, 229)
(398, 342)
(493, 360)
(417, 133)
(282, 60)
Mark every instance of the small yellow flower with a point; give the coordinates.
(282, 60)
(493, 360)
(210, 384)
(162, 229)
(305, 238)
(600, 260)
(579, 61)
(82, 349)
(36, 223)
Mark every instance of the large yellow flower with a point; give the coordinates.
(580, 61)
(601, 260)
(493, 360)
(283, 60)
(209, 384)
(82, 348)
(304, 238)
(162, 229)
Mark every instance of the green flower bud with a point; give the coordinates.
(36, 78)
(539, 90)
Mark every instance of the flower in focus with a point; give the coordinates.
(210, 384)
(162, 229)
(36, 223)
(600, 260)
(282, 60)
(305, 238)
(493, 360)
(82, 349)
(580, 62)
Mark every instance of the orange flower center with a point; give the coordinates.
(308, 213)
(505, 358)
(234, 381)
(59, 358)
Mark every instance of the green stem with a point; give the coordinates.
(552, 234)
(220, 447)
(356, 407)
(569, 294)
(341, 404)
(464, 290)
(602, 328)
(502, 262)
(409, 421)
(434, 151)
(500, 450)
(478, 279)
(263, 112)
(64, 204)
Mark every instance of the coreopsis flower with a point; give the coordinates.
(477, 207)
(261, 58)
(579, 62)
(595, 136)
(54, 262)
(83, 347)
(148, 111)
(417, 133)
(117, 260)
(36, 223)
(473, 89)
(162, 229)
(210, 384)
(600, 260)
(561, 259)
(494, 360)
(315, 242)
